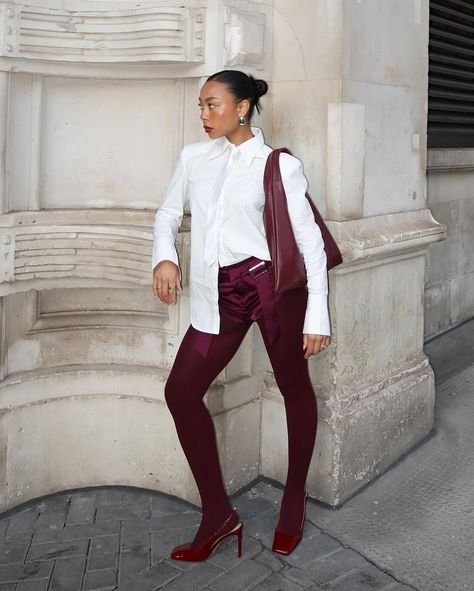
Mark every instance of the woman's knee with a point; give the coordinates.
(174, 392)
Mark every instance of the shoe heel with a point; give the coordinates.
(239, 539)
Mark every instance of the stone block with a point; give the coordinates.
(247, 572)
(100, 580)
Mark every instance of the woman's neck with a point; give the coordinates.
(240, 136)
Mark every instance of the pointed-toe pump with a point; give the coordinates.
(186, 552)
(284, 543)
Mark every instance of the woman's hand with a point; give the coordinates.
(166, 277)
(314, 343)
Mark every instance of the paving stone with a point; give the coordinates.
(136, 499)
(23, 520)
(299, 576)
(241, 577)
(180, 564)
(311, 547)
(57, 518)
(30, 570)
(150, 579)
(111, 496)
(226, 556)
(37, 585)
(173, 521)
(135, 524)
(116, 512)
(100, 579)
(47, 533)
(77, 532)
(276, 582)
(58, 503)
(162, 505)
(365, 578)
(262, 527)
(270, 559)
(134, 561)
(266, 489)
(255, 506)
(195, 578)
(103, 552)
(135, 537)
(14, 547)
(81, 510)
(334, 565)
(68, 574)
(50, 551)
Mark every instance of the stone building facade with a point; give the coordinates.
(97, 98)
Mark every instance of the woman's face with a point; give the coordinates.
(220, 111)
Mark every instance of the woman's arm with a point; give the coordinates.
(168, 218)
(310, 243)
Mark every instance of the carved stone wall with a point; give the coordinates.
(97, 99)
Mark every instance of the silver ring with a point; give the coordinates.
(171, 289)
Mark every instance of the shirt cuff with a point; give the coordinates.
(164, 252)
(317, 315)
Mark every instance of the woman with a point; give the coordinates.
(231, 285)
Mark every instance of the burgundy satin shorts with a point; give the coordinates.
(246, 293)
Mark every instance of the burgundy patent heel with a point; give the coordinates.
(285, 543)
(186, 552)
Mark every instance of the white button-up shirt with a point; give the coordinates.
(222, 185)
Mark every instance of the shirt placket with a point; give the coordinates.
(233, 160)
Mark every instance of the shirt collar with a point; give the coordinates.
(248, 149)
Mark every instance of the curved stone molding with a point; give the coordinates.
(165, 34)
(52, 247)
(378, 237)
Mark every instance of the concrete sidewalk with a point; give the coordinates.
(410, 529)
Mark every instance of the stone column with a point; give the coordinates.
(349, 88)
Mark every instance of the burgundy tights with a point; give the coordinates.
(191, 376)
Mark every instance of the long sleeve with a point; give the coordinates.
(310, 243)
(169, 216)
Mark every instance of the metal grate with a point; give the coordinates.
(451, 74)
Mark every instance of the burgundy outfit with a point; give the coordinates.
(245, 297)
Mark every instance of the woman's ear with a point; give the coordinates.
(243, 108)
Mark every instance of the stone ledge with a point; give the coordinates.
(450, 160)
(98, 381)
(385, 235)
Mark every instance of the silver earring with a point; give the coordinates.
(242, 120)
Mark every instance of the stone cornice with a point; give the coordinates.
(378, 237)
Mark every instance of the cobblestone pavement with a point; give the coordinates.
(119, 538)
(111, 538)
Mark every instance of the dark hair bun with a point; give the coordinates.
(261, 86)
(242, 86)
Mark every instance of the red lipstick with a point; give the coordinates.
(207, 129)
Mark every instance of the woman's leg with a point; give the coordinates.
(291, 374)
(189, 379)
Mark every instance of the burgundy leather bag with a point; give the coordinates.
(287, 261)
